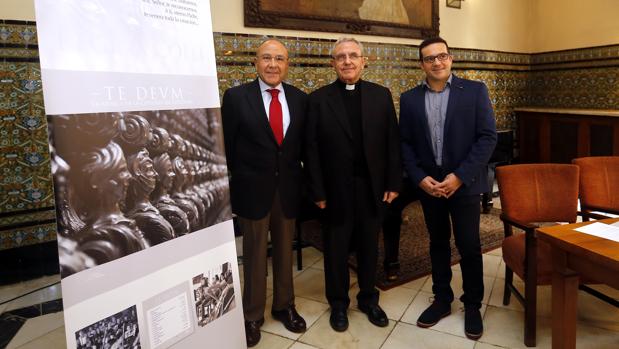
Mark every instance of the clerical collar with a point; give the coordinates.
(348, 87)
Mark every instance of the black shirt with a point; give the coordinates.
(352, 104)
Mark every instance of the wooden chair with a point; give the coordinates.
(599, 196)
(599, 186)
(532, 194)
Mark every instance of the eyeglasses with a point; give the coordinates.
(342, 57)
(442, 57)
(278, 59)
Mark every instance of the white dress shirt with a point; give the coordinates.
(266, 99)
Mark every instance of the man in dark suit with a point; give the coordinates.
(354, 167)
(448, 133)
(263, 124)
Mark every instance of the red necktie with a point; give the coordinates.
(275, 116)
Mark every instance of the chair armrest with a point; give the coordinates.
(587, 210)
(518, 224)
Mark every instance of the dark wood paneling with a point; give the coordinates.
(560, 137)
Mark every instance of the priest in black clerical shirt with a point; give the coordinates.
(354, 169)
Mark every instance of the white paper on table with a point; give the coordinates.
(606, 231)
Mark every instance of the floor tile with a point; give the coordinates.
(480, 345)
(416, 284)
(272, 341)
(360, 333)
(47, 294)
(544, 297)
(53, 340)
(501, 270)
(311, 284)
(421, 301)
(393, 301)
(404, 335)
(37, 328)
(491, 265)
(309, 309)
(594, 337)
(299, 345)
(11, 291)
(505, 327)
(311, 256)
(320, 264)
(41, 282)
(595, 312)
(496, 252)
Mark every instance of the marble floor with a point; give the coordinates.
(598, 323)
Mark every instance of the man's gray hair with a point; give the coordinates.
(344, 39)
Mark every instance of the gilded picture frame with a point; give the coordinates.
(417, 19)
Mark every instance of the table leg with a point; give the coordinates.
(564, 307)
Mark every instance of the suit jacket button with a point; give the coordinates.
(276, 173)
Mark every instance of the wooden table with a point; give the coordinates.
(575, 253)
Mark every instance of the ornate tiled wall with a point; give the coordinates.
(583, 78)
(26, 194)
(391, 65)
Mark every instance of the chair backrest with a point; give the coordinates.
(539, 192)
(599, 181)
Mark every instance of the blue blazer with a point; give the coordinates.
(469, 135)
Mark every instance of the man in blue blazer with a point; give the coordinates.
(448, 133)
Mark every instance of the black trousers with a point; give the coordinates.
(393, 221)
(359, 228)
(463, 213)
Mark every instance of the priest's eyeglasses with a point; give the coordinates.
(342, 57)
(442, 57)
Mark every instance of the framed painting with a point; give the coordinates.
(416, 19)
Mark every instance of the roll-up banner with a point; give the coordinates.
(145, 237)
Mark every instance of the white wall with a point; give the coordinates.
(481, 24)
(501, 25)
(566, 24)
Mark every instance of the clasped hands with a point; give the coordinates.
(445, 189)
(387, 197)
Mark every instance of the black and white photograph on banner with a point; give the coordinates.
(127, 181)
(214, 293)
(118, 331)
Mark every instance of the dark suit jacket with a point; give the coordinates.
(330, 147)
(257, 165)
(469, 135)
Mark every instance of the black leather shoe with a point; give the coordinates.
(252, 332)
(391, 271)
(473, 325)
(391, 275)
(291, 319)
(436, 311)
(375, 314)
(338, 320)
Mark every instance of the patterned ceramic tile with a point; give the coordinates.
(583, 78)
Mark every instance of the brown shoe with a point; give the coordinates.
(252, 332)
(290, 318)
